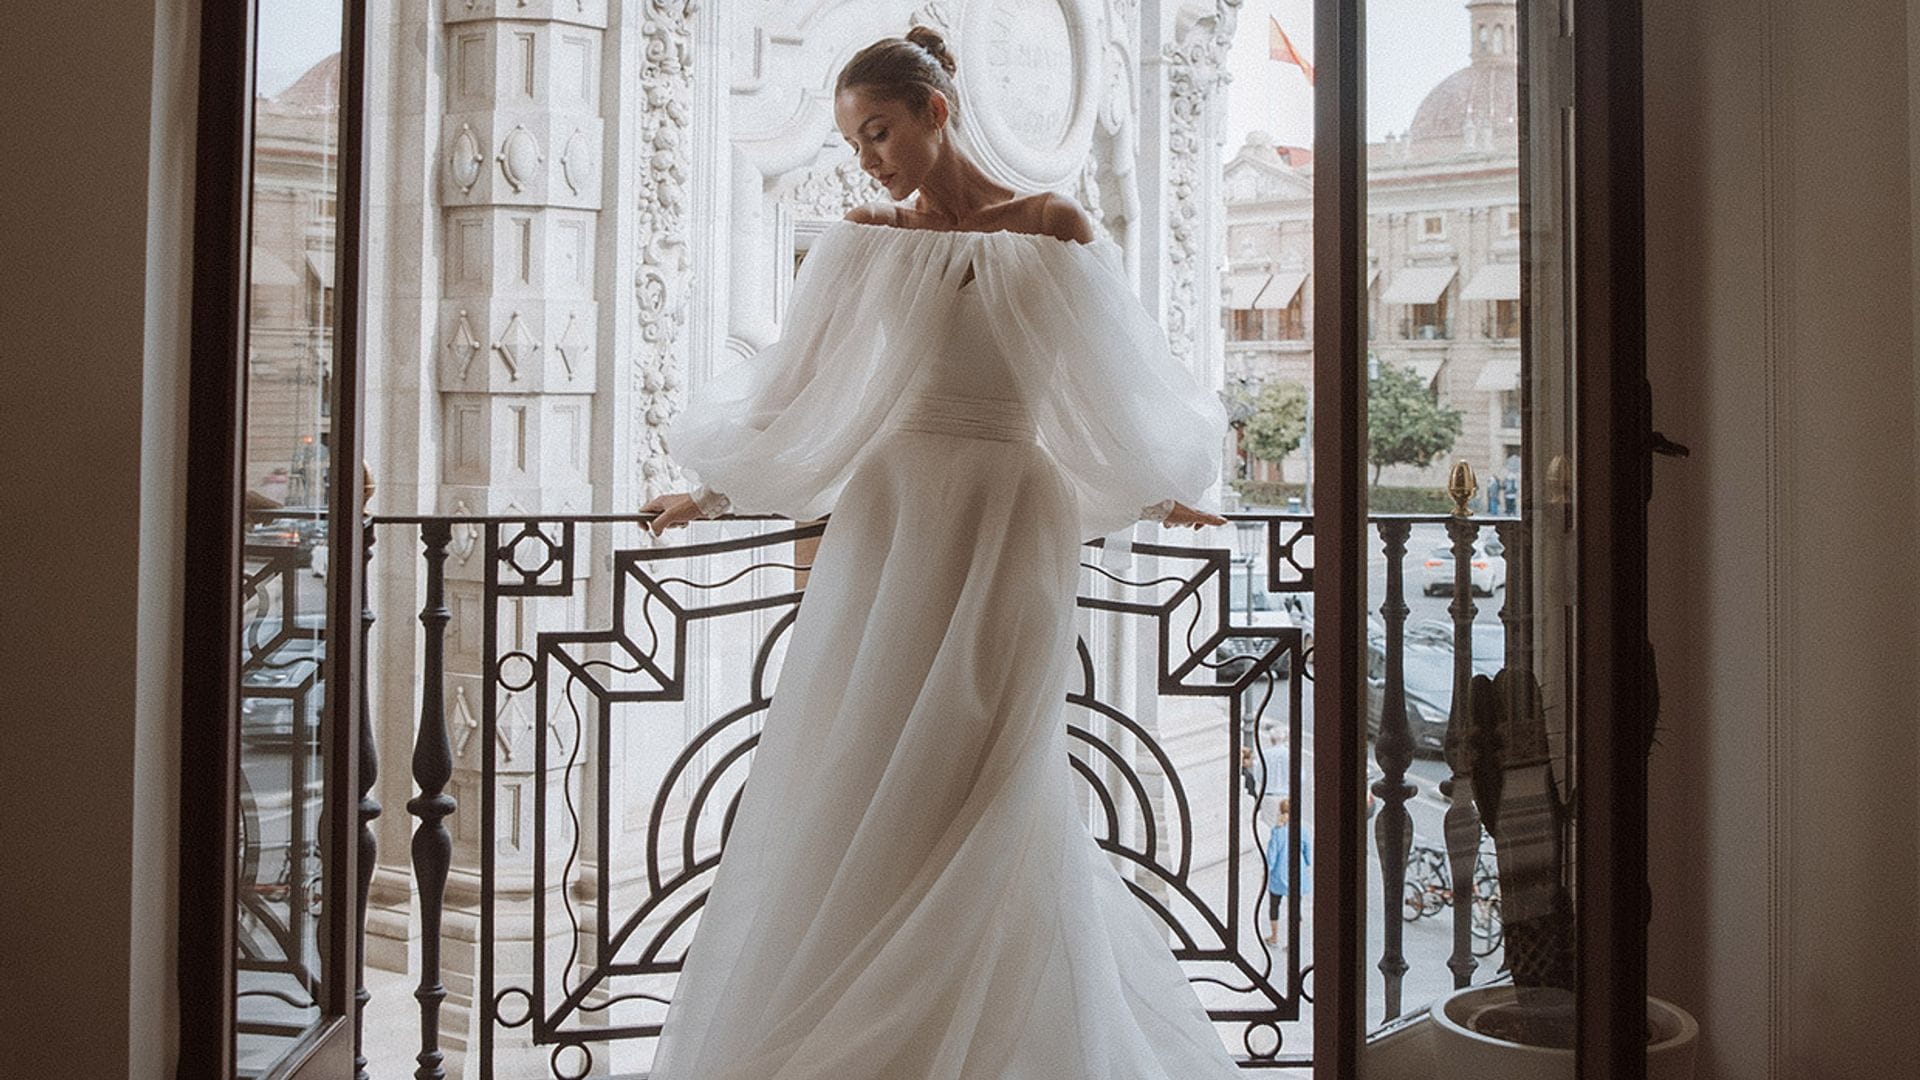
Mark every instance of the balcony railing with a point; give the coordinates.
(588, 707)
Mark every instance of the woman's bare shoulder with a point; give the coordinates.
(1062, 217)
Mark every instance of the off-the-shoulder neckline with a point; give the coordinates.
(963, 232)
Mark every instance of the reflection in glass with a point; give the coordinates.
(283, 631)
(1266, 330)
(1468, 861)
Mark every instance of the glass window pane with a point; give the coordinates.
(284, 634)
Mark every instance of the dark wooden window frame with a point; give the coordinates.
(1611, 439)
(209, 694)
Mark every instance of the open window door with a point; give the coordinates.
(1534, 788)
(271, 790)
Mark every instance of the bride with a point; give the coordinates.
(970, 387)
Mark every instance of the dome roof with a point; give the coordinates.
(318, 89)
(1478, 96)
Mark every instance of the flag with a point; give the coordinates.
(1280, 47)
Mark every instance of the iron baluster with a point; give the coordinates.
(1393, 829)
(369, 810)
(1462, 821)
(432, 768)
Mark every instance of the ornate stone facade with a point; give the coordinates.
(1443, 238)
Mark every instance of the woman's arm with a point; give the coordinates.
(1170, 513)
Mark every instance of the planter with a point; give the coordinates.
(1461, 1051)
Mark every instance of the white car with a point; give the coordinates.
(1488, 569)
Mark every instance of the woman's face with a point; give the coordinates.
(895, 145)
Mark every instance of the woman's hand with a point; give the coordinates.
(670, 511)
(1182, 514)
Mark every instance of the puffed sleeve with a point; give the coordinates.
(1125, 419)
(781, 431)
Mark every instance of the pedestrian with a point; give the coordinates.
(1268, 775)
(1279, 873)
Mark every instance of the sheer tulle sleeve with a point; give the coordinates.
(1124, 418)
(1126, 421)
(782, 431)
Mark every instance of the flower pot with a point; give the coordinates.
(1461, 1050)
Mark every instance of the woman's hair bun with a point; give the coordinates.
(936, 45)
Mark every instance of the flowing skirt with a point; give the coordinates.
(909, 891)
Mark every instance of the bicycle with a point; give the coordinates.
(1429, 890)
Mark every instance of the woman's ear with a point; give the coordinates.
(937, 108)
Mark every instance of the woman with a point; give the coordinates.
(908, 892)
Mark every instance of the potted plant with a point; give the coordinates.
(1526, 1029)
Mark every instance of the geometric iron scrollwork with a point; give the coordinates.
(584, 926)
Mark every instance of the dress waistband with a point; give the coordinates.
(998, 419)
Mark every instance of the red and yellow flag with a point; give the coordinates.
(1280, 47)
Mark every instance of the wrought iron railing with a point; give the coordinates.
(569, 856)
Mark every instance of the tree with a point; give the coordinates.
(1405, 424)
(1276, 423)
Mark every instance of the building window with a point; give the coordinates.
(1510, 410)
(1506, 319)
(1433, 227)
(1293, 319)
(1510, 221)
(1268, 324)
(1428, 322)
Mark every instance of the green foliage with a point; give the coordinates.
(1405, 425)
(1380, 500)
(1237, 397)
(1276, 423)
(1407, 500)
(1268, 492)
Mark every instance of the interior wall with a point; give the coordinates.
(1781, 332)
(91, 493)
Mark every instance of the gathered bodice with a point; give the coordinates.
(967, 387)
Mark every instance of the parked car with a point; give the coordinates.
(1252, 605)
(276, 675)
(1427, 674)
(1487, 569)
(299, 535)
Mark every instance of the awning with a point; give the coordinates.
(1241, 289)
(1426, 367)
(1418, 284)
(321, 263)
(1495, 281)
(268, 268)
(1501, 373)
(1280, 291)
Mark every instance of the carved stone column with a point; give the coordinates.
(520, 190)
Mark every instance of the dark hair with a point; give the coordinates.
(906, 69)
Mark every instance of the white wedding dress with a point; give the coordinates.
(909, 891)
